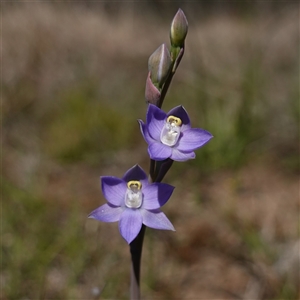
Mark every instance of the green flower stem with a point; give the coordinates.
(176, 56)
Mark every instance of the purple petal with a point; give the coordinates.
(155, 121)
(113, 189)
(156, 195)
(192, 139)
(181, 156)
(156, 113)
(180, 112)
(136, 173)
(159, 151)
(155, 127)
(130, 224)
(156, 219)
(145, 132)
(106, 213)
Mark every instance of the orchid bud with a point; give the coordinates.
(152, 94)
(159, 65)
(179, 29)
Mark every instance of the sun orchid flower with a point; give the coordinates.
(133, 201)
(170, 135)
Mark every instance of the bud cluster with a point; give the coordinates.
(163, 63)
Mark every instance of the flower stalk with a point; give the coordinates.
(162, 66)
(136, 247)
(135, 199)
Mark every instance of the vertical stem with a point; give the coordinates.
(165, 89)
(157, 173)
(176, 62)
(152, 169)
(163, 170)
(136, 247)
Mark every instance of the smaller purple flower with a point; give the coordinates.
(133, 201)
(170, 135)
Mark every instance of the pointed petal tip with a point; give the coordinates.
(172, 229)
(128, 240)
(135, 173)
(130, 224)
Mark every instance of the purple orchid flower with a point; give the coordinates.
(170, 135)
(133, 201)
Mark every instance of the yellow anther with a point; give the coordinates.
(133, 184)
(175, 120)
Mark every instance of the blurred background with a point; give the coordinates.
(73, 80)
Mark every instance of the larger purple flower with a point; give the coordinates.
(170, 135)
(133, 201)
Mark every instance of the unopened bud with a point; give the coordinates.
(179, 29)
(159, 65)
(152, 94)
